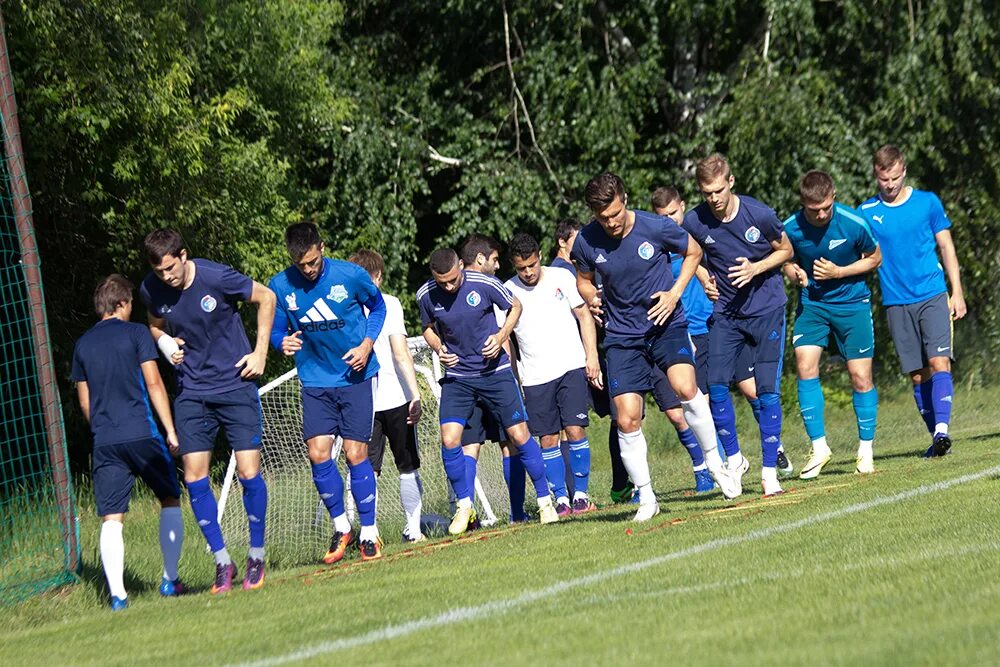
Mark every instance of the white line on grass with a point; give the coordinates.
(465, 614)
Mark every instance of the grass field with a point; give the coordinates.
(893, 568)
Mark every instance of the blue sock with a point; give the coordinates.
(330, 486)
(811, 405)
(724, 417)
(770, 428)
(454, 467)
(513, 474)
(470, 472)
(363, 489)
(206, 511)
(555, 471)
(922, 395)
(865, 409)
(941, 394)
(255, 503)
(531, 457)
(755, 408)
(693, 448)
(580, 463)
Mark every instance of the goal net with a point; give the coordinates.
(298, 525)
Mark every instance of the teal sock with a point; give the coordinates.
(865, 409)
(811, 406)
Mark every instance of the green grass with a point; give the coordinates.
(905, 582)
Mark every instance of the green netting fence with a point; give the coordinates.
(38, 535)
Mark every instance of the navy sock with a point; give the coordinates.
(770, 429)
(866, 409)
(942, 390)
(255, 503)
(513, 474)
(925, 403)
(724, 417)
(330, 486)
(755, 408)
(206, 511)
(580, 463)
(470, 472)
(812, 405)
(454, 467)
(531, 457)
(693, 448)
(619, 475)
(555, 471)
(363, 489)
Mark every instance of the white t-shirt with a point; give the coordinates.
(391, 391)
(547, 332)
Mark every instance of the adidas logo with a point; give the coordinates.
(370, 498)
(203, 522)
(326, 496)
(253, 518)
(709, 240)
(946, 399)
(600, 259)
(724, 432)
(320, 318)
(771, 438)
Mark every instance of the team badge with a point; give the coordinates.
(337, 293)
(752, 235)
(290, 301)
(646, 250)
(473, 299)
(164, 310)
(559, 294)
(208, 303)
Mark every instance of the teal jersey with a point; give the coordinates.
(842, 241)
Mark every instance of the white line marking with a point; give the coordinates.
(465, 614)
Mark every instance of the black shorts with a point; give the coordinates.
(391, 424)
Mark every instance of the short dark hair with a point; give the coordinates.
(711, 167)
(662, 196)
(162, 242)
(815, 186)
(300, 237)
(474, 244)
(443, 260)
(886, 156)
(566, 227)
(369, 260)
(523, 246)
(110, 292)
(602, 189)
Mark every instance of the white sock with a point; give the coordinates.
(410, 497)
(545, 501)
(368, 533)
(865, 448)
(633, 449)
(703, 466)
(562, 499)
(698, 415)
(465, 503)
(735, 461)
(942, 427)
(580, 495)
(113, 557)
(341, 524)
(646, 494)
(171, 538)
(222, 556)
(256, 553)
(820, 446)
(769, 476)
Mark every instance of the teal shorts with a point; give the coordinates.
(850, 324)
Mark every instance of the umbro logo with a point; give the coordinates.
(320, 318)
(878, 218)
(709, 240)
(837, 242)
(600, 259)
(581, 416)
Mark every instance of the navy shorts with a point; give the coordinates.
(344, 411)
(116, 467)
(391, 425)
(498, 392)
(562, 402)
(632, 360)
(483, 426)
(198, 418)
(730, 340)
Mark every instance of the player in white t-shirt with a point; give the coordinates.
(397, 401)
(555, 366)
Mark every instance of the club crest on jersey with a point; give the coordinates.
(837, 242)
(646, 250)
(752, 235)
(208, 303)
(473, 298)
(164, 310)
(337, 293)
(290, 302)
(559, 294)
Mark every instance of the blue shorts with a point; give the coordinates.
(116, 466)
(633, 360)
(562, 402)
(498, 393)
(198, 418)
(345, 411)
(483, 426)
(850, 324)
(763, 336)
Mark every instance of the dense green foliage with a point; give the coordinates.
(404, 125)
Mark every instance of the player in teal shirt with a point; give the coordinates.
(834, 250)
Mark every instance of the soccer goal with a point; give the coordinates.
(298, 526)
